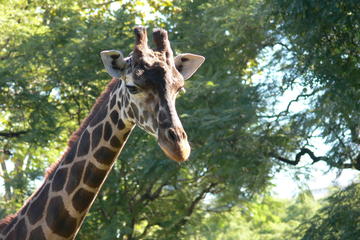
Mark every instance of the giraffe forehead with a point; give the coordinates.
(156, 70)
(158, 77)
(150, 57)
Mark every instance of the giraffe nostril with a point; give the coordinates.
(172, 135)
(183, 134)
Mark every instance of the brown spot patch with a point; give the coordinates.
(120, 124)
(130, 113)
(24, 209)
(59, 179)
(75, 176)
(8, 222)
(70, 155)
(126, 101)
(21, 229)
(116, 87)
(94, 176)
(82, 199)
(115, 142)
(107, 131)
(162, 116)
(37, 234)
(104, 155)
(36, 209)
(135, 110)
(96, 136)
(114, 116)
(112, 102)
(99, 116)
(19, 232)
(84, 145)
(58, 218)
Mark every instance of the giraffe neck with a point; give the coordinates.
(57, 209)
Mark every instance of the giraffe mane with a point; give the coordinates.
(5, 221)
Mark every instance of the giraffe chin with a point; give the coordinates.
(178, 152)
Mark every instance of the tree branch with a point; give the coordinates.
(283, 45)
(354, 165)
(298, 156)
(12, 134)
(286, 111)
(152, 196)
(193, 204)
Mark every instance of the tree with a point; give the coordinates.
(50, 77)
(319, 53)
(51, 71)
(263, 218)
(335, 220)
(157, 199)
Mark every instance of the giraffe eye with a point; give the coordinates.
(132, 89)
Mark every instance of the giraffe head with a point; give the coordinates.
(152, 80)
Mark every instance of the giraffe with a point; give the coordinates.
(142, 93)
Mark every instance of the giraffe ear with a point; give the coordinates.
(188, 63)
(114, 62)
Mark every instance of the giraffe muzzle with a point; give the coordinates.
(173, 141)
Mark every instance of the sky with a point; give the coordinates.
(319, 181)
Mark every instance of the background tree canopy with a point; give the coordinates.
(51, 74)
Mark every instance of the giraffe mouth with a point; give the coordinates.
(178, 152)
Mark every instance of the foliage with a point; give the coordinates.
(51, 73)
(219, 113)
(263, 218)
(48, 73)
(337, 219)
